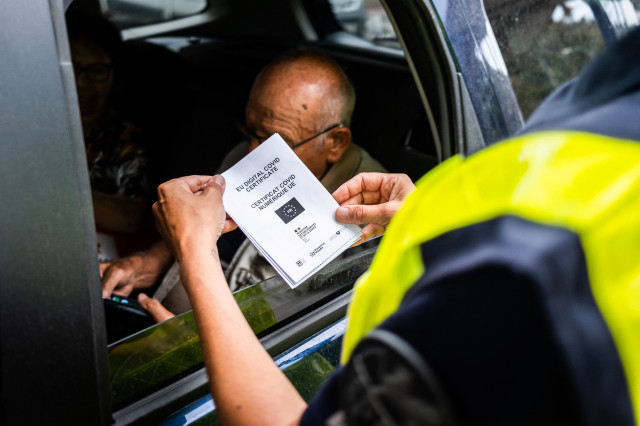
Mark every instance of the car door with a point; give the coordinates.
(54, 362)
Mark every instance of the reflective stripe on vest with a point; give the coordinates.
(589, 184)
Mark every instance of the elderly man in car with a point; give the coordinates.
(305, 97)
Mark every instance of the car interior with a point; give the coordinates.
(188, 80)
(188, 86)
(191, 86)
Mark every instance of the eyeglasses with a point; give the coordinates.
(250, 134)
(97, 73)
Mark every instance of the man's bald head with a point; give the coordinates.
(334, 90)
(305, 97)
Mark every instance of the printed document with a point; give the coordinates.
(285, 211)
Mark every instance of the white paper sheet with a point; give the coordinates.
(285, 211)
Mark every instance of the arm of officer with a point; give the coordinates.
(372, 199)
(245, 383)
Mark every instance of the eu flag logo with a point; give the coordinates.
(290, 210)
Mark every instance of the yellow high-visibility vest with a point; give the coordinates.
(588, 184)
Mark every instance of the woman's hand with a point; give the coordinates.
(189, 212)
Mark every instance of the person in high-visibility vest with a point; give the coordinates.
(505, 290)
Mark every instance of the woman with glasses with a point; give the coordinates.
(115, 144)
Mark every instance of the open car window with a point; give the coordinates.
(201, 82)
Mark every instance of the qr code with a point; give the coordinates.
(299, 262)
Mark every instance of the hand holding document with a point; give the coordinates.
(285, 211)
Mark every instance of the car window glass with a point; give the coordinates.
(544, 43)
(133, 13)
(306, 365)
(366, 19)
(157, 356)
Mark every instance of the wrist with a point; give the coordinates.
(197, 248)
(199, 265)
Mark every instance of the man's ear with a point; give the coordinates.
(338, 141)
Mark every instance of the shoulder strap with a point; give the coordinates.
(387, 382)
